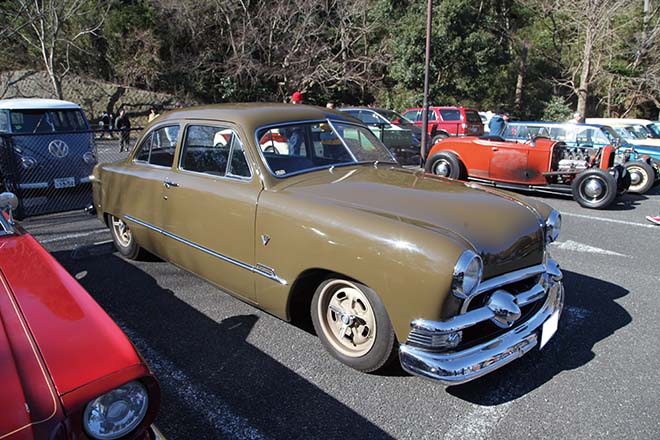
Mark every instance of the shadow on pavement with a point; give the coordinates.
(591, 314)
(244, 392)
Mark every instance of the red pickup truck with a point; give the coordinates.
(448, 121)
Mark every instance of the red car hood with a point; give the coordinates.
(54, 338)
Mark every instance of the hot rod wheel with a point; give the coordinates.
(642, 176)
(594, 188)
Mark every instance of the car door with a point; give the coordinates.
(142, 183)
(508, 162)
(210, 207)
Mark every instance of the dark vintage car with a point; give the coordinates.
(67, 371)
(540, 165)
(330, 229)
(47, 153)
(400, 135)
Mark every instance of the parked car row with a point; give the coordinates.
(582, 139)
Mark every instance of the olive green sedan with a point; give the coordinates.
(303, 212)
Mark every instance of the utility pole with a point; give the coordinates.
(425, 115)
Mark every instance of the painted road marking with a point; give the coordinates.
(481, 421)
(215, 410)
(570, 245)
(609, 220)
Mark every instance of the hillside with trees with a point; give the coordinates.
(600, 57)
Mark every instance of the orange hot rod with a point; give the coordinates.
(539, 165)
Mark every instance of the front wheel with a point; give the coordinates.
(642, 176)
(594, 188)
(123, 238)
(445, 164)
(353, 325)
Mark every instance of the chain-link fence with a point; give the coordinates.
(49, 172)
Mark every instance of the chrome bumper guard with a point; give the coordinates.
(453, 368)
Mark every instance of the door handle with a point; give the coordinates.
(169, 184)
(494, 148)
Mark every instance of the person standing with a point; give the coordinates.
(297, 97)
(498, 123)
(153, 114)
(123, 125)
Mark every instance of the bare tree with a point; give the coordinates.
(53, 29)
(586, 28)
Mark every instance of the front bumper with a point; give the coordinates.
(453, 368)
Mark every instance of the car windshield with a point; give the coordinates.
(299, 148)
(396, 118)
(654, 128)
(612, 136)
(47, 121)
(639, 131)
(472, 116)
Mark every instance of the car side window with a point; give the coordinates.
(432, 116)
(4, 122)
(144, 149)
(413, 115)
(450, 115)
(369, 118)
(214, 150)
(238, 165)
(159, 146)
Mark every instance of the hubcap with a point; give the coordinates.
(441, 168)
(121, 231)
(593, 188)
(347, 318)
(635, 177)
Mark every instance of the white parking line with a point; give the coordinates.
(609, 220)
(481, 420)
(570, 245)
(210, 406)
(70, 236)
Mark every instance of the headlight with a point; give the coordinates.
(467, 274)
(117, 412)
(89, 158)
(552, 227)
(28, 162)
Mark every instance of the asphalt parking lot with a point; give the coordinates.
(228, 370)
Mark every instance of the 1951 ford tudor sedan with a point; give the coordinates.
(452, 277)
(66, 370)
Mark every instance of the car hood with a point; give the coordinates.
(55, 333)
(504, 229)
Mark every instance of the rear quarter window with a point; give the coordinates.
(451, 115)
(473, 116)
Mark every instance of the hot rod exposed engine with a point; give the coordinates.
(572, 165)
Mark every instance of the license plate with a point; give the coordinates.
(549, 328)
(65, 182)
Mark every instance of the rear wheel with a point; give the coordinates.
(438, 137)
(445, 164)
(353, 325)
(594, 188)
(642, 176)
(123, 238)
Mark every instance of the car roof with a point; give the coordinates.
(435, 107)
(255, 115)
(620, 121)
(36, 104)
(554, 124)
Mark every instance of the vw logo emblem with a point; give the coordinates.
(58, 148)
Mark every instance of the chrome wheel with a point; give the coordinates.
(441, 168)
(592, 189)
(641, 176)
(121, 231)
(347, 318)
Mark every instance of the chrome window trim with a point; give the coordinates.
(227, 176)
(259, 269)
